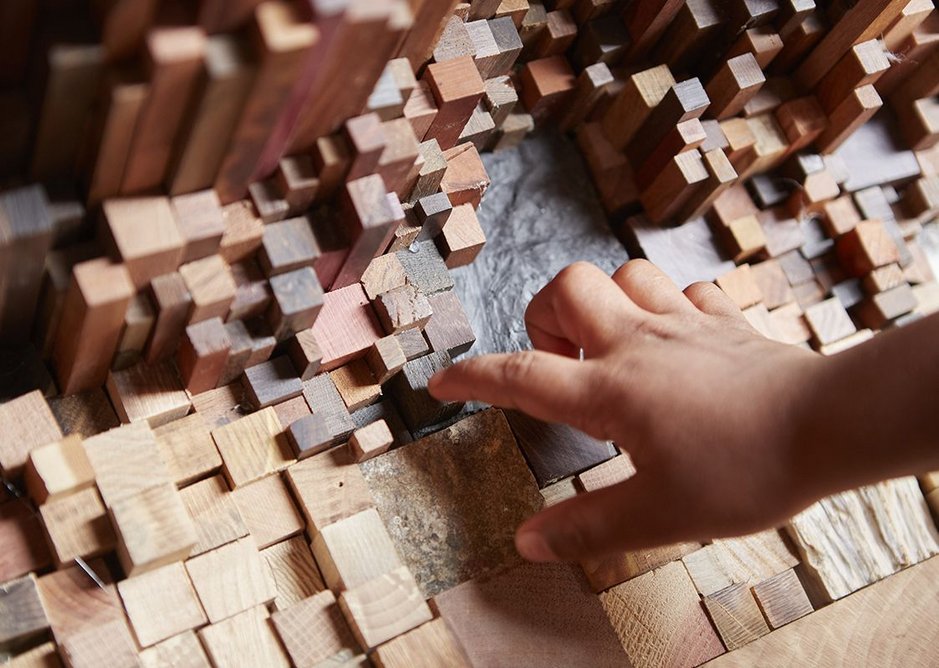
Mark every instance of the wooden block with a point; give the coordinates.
(465, 179)
(243, 234)
(43, 656)
(882, 308)
(866, 247)
(161, 604)
(272, 382)
(829, 321)
(370, 215)
(244, 638)
(432, 171)
(23, 617)
(268, 202)
(252, 447)
(212, 287)
(428, 645)
(863, 64)
(187, 448)
(743, 238)
(741, 287)
(200, 222)
(371, 441)
(78, 526)
(449, 329)
(457, 88)
(151, 393)
(203, 355)
(231, 579)
(857, 108)
(153, 529)
(734, 84)
(409, 390)
(268, 511)
(25, 547)
(214, 513)
(75, 603)
(27, 423)
(313, 630)
(296, 180)
(385, 607)
(287, 246)
(57, 470)
(109, 644)
(606, 572)
(673, 187)
(354, 550)
(399, 157)
(329, 487)
(736, 615)
(666, 607)
(146, 255)
(385, 358)
(297, 300)
(773, 284)
(606, 474)
(305, 354)
(173, 306)
(425, 268)
(546, 86)
(365, 136)
(346, 327)
(413, 344)
(403, 308)
(420, 110)
(181, 651)
(384, 273)
(296, 577)
(782, 599)
(356, 384)
(126, 461)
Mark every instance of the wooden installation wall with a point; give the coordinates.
(226, 235)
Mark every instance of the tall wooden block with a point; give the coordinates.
(143, 234)
(346, 326)
(457, 89)
(370, 220)
(297, 298)
(152, 393)
(25, 547)
(203, 354)
(212, 287)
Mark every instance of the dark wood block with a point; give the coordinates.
(425, 268)
(297, 300)
(172, 304)
(432, 212)
(87, 413)
(272, 382)
(413, 343)
(288, 245)
(252, 291)
(305, 354)
(324, 399)
(203, 354)
(310, 435)
(240, 353)
(409, 390)
(448, 329)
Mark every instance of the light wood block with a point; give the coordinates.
(356, 384)
(268, 510)
(126, 461)
(748, 559)
(214, 513)
(354, 550)
(245, 639)
(25, 547)
(295, 574)
(153, 529)
(346, 327)
(150, 392)
(143, 232)
(110, 644)
(182, 651)
(329, 487)
(314, 631)
(74, 603)
(57, 470)
(188, 449)
(370, 441)
(736, 615)
(252, 447)
(429, 645)
(161, 604)
(782, 599)
(385, 607)
(212, 287)
(78, 526)
(27, 423)
(231, 579)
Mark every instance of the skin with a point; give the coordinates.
(730, 433)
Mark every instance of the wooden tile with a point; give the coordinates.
(747, 559)
(371, 441)
(150, 392)
(86, 414)
(736, 615)
(153, 529)
(188, 449)
(829, 321)
(231, 579)
(27, 423)
(246, 638)
(409, 391)
(428, 645)
(329, 487)
(22, 617)
(77, 525)
(74, 603)
(782, 599)
(291, 410)
(268, 511)
(222, 405)
(296, 303)
(659, 619)
(23, 540)
(214, 514)
(143, 232)
(161, 604)
(110, 644)
(354, 550)
(313, 630)
(324, 400)
(295, 574)
(182, 651)
(606, 572)
(272, 382)
(57, 470)
(385, 607)
(203, 354)
(212, 287)
(126, 461)
(346, 326)
(309, 435)
(252, 447)
(531, 614)
(356, 384)
(305, 354)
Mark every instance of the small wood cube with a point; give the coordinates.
(272, 382)
(252, 447)
(187, 447)
(462, 237)
(354, 550)
(305, 354)
(246, 639)
(161, 604)
(782, 599)
(370, 441)
(214, 513)
(212, 287)
(56, 470)
(329, 487)
(296, 303)
(231, 579)
(295, 574)
(356, 384)
(386, 358)
(268, 510)
(403, 308)
(151, 392)
(26, 423)
(78, 526)
(314, 630)
(126, 461)
(384, 607)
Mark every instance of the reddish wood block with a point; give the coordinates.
(203, 354)
(346, 327)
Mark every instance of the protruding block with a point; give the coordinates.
(231, 579)
(329, 487)
(252, 447)
(143, 233)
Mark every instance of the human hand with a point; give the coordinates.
(709, 410)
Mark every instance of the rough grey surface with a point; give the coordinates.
(540, 215)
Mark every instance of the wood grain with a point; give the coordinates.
(314, 630)
(245, 639)
(231, 579)
(161, 604)
(268, 510)
(295, 574)
(214, 513)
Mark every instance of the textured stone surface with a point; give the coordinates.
(452, 501)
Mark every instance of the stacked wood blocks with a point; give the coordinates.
(237, 269)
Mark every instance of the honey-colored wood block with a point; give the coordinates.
(356, 384)
(268, 510)
(243, 232)
(78, 526)
(431, 644)
(212, 287)
(462, 237)
(161, 604)
(370, 441)
(181, 651)
(385, 358)
(252, 447)
(75, 603)
(384, 273)
(610, 472)
(782, 599)
(866, 247)
(150, 392)
(736, 615)
(173, 304)
(314, 630)
(126, 460)
(26, 423)
(110, 644)
(743, 238)
(203, 355)
(153, 529)
(138, 324)
(606, 572)
(245, 639)
(305, 354)
(25, 547)
(295, 574)
(354, 550)
(58, 469)
(220, 406)
(741, 287)
(734, 84)
(385, 607)
(659, 619)
(329, 487)
(143, 232)
(214, 513)
(231, 579)
(188, 449)
(457, 88)
(748, 559)
(22, 617)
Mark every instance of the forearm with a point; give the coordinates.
(873, 411)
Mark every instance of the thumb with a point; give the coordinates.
(628, 516)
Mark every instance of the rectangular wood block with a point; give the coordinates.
(57, 470)
(27, 423)
(430, 644)
(295, 574)
(245, 639)
(384, 607)
(143, 232)
(736, 615)
(346, 327)
(150, 392)
(161, 604)
(126, 460)
(231, 579)
(78, 525)
(180, 651)
(214, 513)
(188, 449)
(782, 599)
(314, 630)
(329, 487)
(354, 550)
(252, 447)
(268, 510)
(21, 614)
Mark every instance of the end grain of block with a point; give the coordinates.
(384, 607)
(56, 470)
(370, 441)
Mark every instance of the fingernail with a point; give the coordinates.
(533, 546)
